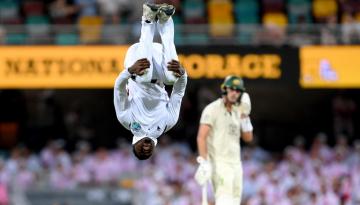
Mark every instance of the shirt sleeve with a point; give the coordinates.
(121, 101)
(207, 116)
(176, 96)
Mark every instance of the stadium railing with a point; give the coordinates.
(292, 35)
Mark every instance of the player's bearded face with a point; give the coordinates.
(233, 95)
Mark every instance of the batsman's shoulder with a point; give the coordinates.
(211, 107)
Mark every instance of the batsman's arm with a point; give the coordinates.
(202, 135)
(246, 128)
(121, 101)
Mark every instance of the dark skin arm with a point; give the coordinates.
(140, 65)
(175, 66)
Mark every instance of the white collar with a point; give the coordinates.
(136, 139)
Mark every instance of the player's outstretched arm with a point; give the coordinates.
(180, 84)
(177, 93)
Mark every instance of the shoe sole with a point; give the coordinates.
(153, 7)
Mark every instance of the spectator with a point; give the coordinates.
(109, 11)
(329, 33)
(350, 29)
(86, 7)
(61, 12)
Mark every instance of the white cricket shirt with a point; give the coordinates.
(145, 108)
(223, 141)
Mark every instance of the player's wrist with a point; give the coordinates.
(201, 160)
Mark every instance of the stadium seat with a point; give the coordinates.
(324, 8)
(246, 11)
(38, 25)
(220, 17)
(299, 9)
(194, 11)
(357, 17)
(9, 10)
(16, 38)
(33, 8)
(278, 19)
(67, 39)
(177, 19)
(245, 34)
(90, 29)
(199, 38)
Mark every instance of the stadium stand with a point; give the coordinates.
(224, 18)
(57, 161)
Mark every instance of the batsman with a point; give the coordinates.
(222, 124)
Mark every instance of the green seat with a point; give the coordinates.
(179, 38)
(67, 39)
(245, 34)
(16, 39)
(246, 12)
(31, 20)
(177, 19)
(299, 9)
(198, 38)
(8, 9)
(38, 25)
(193, 9)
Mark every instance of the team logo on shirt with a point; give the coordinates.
(135, 126)
(233, 129)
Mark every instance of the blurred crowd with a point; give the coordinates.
(281, 12)
(313, 175)
(295, 22)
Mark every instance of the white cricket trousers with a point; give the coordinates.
(227, 180)
(145, 49)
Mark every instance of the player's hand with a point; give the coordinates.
(203, 173)
(139, 67)
(175, 66)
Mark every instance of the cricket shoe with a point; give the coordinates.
(150, 12)
(165, 12)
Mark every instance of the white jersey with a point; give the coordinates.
(223, 142)
(145, 108)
